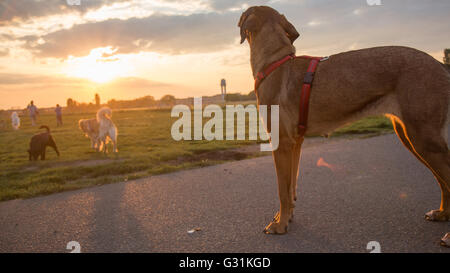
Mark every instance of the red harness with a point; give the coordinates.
(306, 87)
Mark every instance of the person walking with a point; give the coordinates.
(223, 88)
(58, 111)
(33, 112)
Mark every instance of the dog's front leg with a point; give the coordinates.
(284, 158)
(294, 177)
(99, 144)
(105, 148)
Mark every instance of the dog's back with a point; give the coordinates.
(447, 67)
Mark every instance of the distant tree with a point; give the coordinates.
(251, 95)
(146, 101)
(240, 97)
(70, 103)
(142, 102)
(97, 99)
(112, 103)
(167, 100)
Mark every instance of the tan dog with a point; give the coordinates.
(100, 130)
(405, 84)
(90, 129)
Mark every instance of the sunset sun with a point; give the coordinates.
(100, 66)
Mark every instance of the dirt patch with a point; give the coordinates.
(221, 155)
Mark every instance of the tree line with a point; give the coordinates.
(147, 101)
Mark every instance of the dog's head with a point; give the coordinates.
(84, 127)
(82, 124)
(254, 18)
(88, 126)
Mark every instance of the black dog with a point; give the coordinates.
(39, 143)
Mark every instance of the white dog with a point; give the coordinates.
(15, 120)
(107, 131)
(100, 130)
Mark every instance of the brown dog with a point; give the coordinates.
(405, 84)
(39, 143)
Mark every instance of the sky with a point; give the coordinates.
(51, 50)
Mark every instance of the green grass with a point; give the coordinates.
(370, 126)
(145, 148)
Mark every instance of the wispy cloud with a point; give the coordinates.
(157, 33)
(21, 10)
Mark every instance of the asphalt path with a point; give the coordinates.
(350, 192)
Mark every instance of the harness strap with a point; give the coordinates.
(263, 74)
(306, 87)
(305, 94)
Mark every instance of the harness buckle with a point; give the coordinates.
(308, 79)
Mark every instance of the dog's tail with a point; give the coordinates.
(45, 127)
(104, 113)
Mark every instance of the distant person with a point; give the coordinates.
(223, 88)
(33, 112)
(58, 111)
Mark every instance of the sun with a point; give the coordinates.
(100, 66)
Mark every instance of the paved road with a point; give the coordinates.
(371, 190)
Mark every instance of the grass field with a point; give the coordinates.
(145, 148)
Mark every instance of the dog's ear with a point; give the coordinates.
(289, 28)
(247, 23)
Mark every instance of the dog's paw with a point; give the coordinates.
(276, 226)
(445, 241)
(437, 215)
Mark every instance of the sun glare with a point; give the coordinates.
(100, 66)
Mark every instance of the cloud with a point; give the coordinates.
(16, 79)
(315, 23)
(170, 34)
(22, 10)
(221, 5)
(4, 52)
(354, 24)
